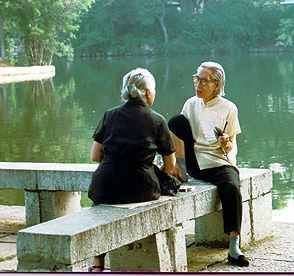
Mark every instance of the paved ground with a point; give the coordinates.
(275, 254)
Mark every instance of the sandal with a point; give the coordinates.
(95, 268)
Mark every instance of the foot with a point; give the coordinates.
(95, 268)
(240, 261)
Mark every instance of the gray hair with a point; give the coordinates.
(218, 73)
(135, 83)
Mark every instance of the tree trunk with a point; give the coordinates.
(2, 43)
(187, 7)
(198, 6)
(162, 25)
(38, 52)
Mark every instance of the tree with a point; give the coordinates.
(285, 33)
(124, 26)
(2, 47)
(46, 27)
(130, 27)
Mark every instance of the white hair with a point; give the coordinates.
(135, 82)
(218, 73)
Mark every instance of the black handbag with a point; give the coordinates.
(169, 185)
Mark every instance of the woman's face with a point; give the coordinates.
(150, 96)
(206, 87)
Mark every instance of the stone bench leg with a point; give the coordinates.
(171, 247)
(209, 230)
(256, 224)
(164, 252)
(42, 206)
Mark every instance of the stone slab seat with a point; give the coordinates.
(65, 244)
(68, 243)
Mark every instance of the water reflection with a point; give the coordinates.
(52, 121)
(38, 123)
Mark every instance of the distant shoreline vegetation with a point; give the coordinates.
(178, 52)
(35, 32)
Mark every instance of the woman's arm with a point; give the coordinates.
(96, 152)
(170, 167)
(179, 145)
(169, 163)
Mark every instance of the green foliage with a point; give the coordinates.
(121, 27)
(45, 27)
(42, 29)
(285, 32)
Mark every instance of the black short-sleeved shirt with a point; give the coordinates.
(131, 134)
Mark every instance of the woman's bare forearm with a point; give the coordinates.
(96, 152)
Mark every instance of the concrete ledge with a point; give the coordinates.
(46, 176)
(25, 73)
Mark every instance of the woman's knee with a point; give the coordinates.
(230, 190)
(180, 126)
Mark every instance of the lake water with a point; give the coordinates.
(54, 121)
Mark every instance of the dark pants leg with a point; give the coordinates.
(180, 126)
(226, 178)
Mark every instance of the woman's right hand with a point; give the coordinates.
(179, 174)
(225, 142)
(176, 171)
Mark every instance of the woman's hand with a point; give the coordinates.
(170, 167)
(225, 142)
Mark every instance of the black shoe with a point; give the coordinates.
(241, 261)
(95, 268)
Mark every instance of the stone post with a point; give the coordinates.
(42, 206)
(163, 252)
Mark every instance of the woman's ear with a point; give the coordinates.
(147, 94)
(149, 97)
(217, 88)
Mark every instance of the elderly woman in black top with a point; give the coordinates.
(125, 143)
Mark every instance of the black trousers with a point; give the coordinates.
(226, 178)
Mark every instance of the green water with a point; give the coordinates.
(54, 121)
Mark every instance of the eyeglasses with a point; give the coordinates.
(196, 80)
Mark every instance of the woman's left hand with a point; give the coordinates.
(225, 142)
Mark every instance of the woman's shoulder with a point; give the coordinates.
(192, 100)
(156, 115)
(228, 103)
(113, 109)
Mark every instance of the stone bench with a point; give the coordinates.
(51, 190)
(149, 237)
